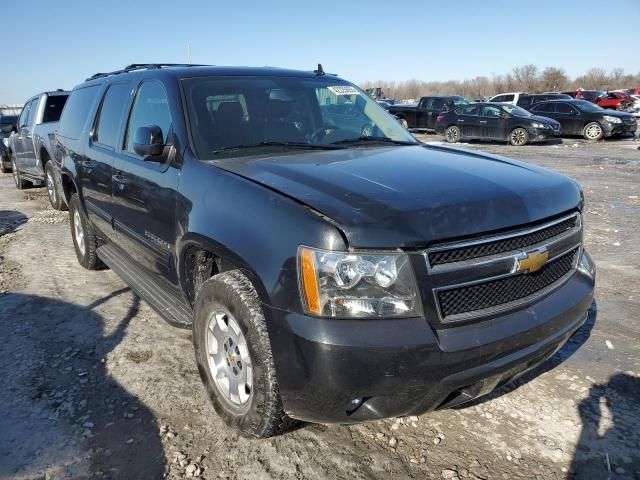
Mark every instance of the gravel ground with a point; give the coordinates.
(96, 385)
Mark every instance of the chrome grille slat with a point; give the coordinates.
(478, 277)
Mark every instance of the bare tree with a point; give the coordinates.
(553, 79)
(526, 77)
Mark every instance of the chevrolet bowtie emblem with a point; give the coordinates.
(532, 261)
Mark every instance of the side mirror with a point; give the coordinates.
(504, 115)
(148, 141)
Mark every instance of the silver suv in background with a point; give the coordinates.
(30, 144)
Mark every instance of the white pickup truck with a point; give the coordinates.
(30, 145)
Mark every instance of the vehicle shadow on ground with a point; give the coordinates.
(61, 412)
(609, 443)
(562, 355)
(10, 220)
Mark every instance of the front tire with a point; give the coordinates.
(452, 134)
(52, 188)
(85, 240)
(234, 358)
(17, 178)
(592, 131)
(519, 137)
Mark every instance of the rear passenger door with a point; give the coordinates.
(97, 166)
(144, 190)
(469, 120)
(570, 118)
(492, 124)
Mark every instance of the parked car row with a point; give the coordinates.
(296, 228)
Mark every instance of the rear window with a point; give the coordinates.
(76, 111)
(53, 108)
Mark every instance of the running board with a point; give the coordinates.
(169, 305)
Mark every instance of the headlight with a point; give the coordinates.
(357, 285)
(611, 119)
(539, 125)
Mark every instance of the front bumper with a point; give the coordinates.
(543, 134)
(619, 128)
(405, 367)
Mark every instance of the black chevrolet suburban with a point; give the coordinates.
(332, 270)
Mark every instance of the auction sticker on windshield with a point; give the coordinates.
(344, 90)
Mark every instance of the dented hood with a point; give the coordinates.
(411, 196)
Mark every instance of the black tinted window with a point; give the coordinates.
(545, 107)
(53, 108)
(470, 110)
(565, 108)
(76, 111)
(437, 105)
(525, 101)
(108, 124)
(151, 107)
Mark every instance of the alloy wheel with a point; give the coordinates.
(593, 131)
(78, 231)
(453, 134)
(518, 137)
(229, 360)
(51, 189)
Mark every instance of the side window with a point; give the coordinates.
(437, 105)
(525, 101)
(107, 125)
(53, 108)
(499, 98)
(508, 98)
(545, 108)
(566, 109)
(471, 110)
(76, 111)
(32, 111)
(151, 107)
(24, 115)
(490, 111)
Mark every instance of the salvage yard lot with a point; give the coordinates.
(96, 385)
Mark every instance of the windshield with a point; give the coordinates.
(241, 114)
(460, 101)
(586, 106)
(516, 111)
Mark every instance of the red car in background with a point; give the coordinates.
(611, 100)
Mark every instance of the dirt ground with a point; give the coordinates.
(96, 385)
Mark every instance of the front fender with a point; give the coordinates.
(250, 227)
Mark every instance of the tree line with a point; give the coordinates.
(526, 78)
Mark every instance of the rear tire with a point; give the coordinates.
(52, 188)
(85, 240)
(593, 131)
(518, 137)
(17, 178)
(241, 382)
(452, 134)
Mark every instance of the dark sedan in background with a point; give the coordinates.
(581, 117)
(495, 121)
(8, 123)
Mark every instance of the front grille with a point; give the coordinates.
(458, 254)
(481, 296)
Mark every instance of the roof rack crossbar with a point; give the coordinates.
(142, 66)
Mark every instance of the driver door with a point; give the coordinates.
(492, 123)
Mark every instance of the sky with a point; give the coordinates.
(59, 46)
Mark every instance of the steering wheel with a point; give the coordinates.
(322, 132)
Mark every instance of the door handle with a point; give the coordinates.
(118, 178)
(460, 121)
(483, 121)
(87, 164)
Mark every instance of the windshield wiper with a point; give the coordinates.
(364, 140)
(312, 146)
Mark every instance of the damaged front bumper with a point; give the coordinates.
(349, 371)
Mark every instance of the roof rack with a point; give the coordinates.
(143, 66)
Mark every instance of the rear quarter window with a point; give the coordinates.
(53, 108)
(76, 111)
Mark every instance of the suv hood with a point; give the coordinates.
(409, 197)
